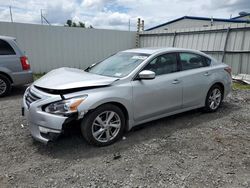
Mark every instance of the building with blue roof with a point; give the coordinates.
(192, 22)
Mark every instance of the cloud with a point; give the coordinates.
(111, 20)
(231, 5)
(114, 14)
(94, 4)
(60, 11)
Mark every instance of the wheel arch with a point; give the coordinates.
(119, 105)
(221, 85)
(206, 106)
(7, 76)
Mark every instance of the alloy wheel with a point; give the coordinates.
(106, 126)
(214, 99)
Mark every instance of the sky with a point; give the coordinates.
(115, 14)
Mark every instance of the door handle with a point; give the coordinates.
(176, 81)
(207, 74)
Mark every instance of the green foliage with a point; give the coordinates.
(70, 23)
(239, 86)
(81, 24)
(37, 76)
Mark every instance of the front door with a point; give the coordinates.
(160, 95)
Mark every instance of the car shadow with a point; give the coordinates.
(15, 93)
(73, 146)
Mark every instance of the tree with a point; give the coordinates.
(81, 24)
(69, 23)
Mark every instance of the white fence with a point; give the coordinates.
(229, 43)
(49, 47)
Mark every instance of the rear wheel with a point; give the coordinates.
(104, 125)
(5, 85)
(214, 98)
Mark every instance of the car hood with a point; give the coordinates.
(70, 78)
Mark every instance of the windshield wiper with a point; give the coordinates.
(90, 67)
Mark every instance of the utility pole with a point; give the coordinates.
(11, 19)
(43, 19)
(42, 16)
(129, 24)
(212, 21)
(138, 31)
(142, 25)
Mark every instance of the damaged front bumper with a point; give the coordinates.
(43, 126)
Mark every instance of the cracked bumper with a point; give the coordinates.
(42, 125)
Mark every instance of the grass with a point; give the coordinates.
(37, 76)
(240, 86)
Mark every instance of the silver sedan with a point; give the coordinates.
(127, 89)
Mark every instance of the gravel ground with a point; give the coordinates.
(192, 149)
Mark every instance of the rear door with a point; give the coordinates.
(196, 76)
(9, 58)
(160, 95)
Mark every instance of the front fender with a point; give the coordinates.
(121, 94)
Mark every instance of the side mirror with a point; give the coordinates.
(146, 75)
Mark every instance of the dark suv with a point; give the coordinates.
(14, 65)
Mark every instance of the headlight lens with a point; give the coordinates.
(65, 107)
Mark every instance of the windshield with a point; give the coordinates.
(118, 65)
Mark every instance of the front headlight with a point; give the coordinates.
(65, 107)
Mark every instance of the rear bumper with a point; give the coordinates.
(22, 78)
(227, 87)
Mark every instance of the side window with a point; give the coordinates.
(163, 64)
(193, 61)
(5, 48)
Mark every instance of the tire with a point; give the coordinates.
(5, 85)
(97, 132)
(214, 98)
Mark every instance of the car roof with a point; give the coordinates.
(153, 50)
(7, 37)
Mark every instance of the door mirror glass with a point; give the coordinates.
(147, 74)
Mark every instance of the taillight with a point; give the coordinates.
(229, 70)
(25, 63)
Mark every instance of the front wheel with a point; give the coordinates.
(104, 125)
(214, 98)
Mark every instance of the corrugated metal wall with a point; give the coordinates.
(50, 47)
(229, 43)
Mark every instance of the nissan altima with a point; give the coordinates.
(127, 89)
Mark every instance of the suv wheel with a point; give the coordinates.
(5, 85)
(104, 125)
(214, 98)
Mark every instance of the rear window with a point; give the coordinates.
(5, 48)
(193, 61)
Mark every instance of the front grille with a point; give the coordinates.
(30, 98)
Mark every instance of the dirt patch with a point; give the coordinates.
(192, 149)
